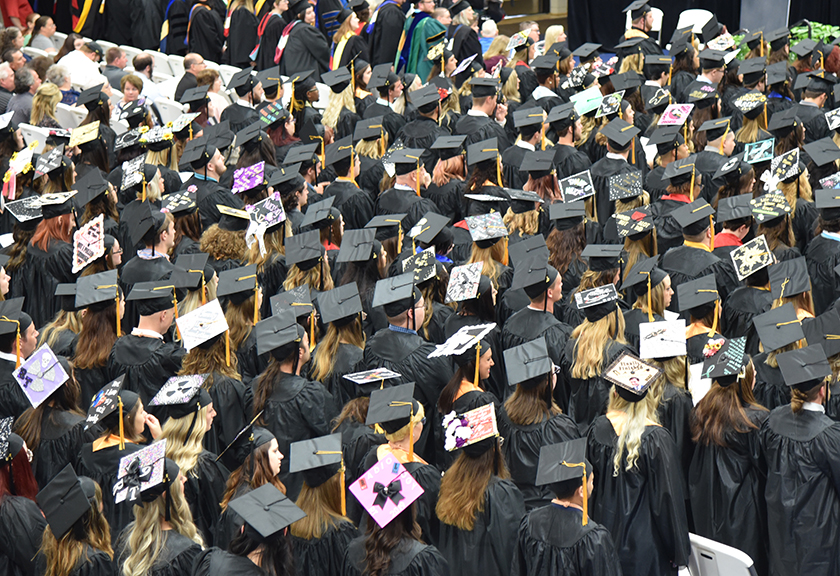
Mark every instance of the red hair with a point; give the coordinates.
(24, 481)
(57, 229)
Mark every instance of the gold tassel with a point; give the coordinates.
(499, 170)
(542, 137)
(227, 348)
(122, 432)
(353, 75)
(418, 178)
(477, 360)
(143, 198)
(256, 304)
(411, 433)
(382, 149)
(399, 238)
(722, 140)
(119, 324)
(585, 496)
(352, 167)
(649, 300)
(670, 71)
(633, 151)
(191, 132)
(312, 330)
(712, 226)
(691, 190)
(343, 488)
(715, 321)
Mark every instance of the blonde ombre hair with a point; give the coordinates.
(630, 438)
(312, 277)
(184, 437)
(591, 338)
(793, 192)
(337, 102)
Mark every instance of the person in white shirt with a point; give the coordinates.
(82, 64)
(144, 67)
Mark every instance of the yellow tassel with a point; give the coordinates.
(175, 302)
(712, 226)
(722, 140)
(122, 432)
(143, 199)
(343, 488)
(670, 71)
(119, 324)
(691, 190)
(715, 321)
(649, 300)
(256, 304)
(477, 360)
(399, 238)
(585, 496)
(191, 132)
(633, 150)
(227, 348)
(542, 137)
(17, 347)
(411, 434)
(382, 142)
(312, 331)
(353, 75)
(499, 170)
(418, 178)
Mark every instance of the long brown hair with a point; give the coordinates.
(64, 399)
(97, 337)
(240, 319)
(51, 230)
(354, 410)
(254, 472)
(546, 187)
(187, 226)
(531, 404)
(210, 361)
(322, 505)
(322, 361)
(722, 410)
(381, 541)
(224, 244)
(462, 491)
(646, 247)
(565, 246)
(17, 251)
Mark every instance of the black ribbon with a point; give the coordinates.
(131, 482)
(383, 493)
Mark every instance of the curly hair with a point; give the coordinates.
(224, 244)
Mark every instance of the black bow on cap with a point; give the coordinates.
(134, 476)
(391, 491)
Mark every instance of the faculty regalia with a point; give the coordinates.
(408, 558)
(206, 32)
(306, 49)
(355, 205)
(217, 562)
(522, 452)
(569, 161)
(587, 399)
(355, 48)
(803, 481)
(297, 409)
(494, 534)
(146, 362)
(176, 556)
(465, 43)
(385, 32)
(324, 556)
(643, 508)
(272, 30)
(62, 436)
(241, 38)
(726, 490)
(739, 309)
(552, 541)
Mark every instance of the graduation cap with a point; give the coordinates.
(396, 294)
(522, 201)
(369, 129)
(633, 222)
(642, 278)
(337, 79)
(484, 151)
(534, 274)
(266, 511)
(575, 187)
(183, 395)
(340, 305)
(382, 76)
(631, 45)
(10, 443)
(387, 489)
(782, 122)
(711, 29)
(620, 134)
(319, 459)
(701, 94)
(625, 185)
(393, 408)
(529, 363)
(304, 250)
(146, 218)
(697, 293)
(761, 151)
(127, 139)
(753, 70)
(828, 203)
(538, 164)
(587, 51)
(464, 282)
(297, 300)
(243, 82)
(425, 96)
(486, 228)
(824, 330)
(734, 208)
(778, 327)
(518, 40)
(528, 117)
(631, 376)
(446, 146)
(249, 178)
(278, 331)
(198, 152)
(753, 256)
(467, 431)
(88, 244)
(663, 339)
(597, 303)
(84, 134)
(777, 38)
(109, 399)
(823, 151)
(602, 257)
(587, 100)
(65, 500)
(427, 228)
(385, 222)
(273, 114)
(769, 206)
(195, 267)
(99, 291)
(789, 278)
(777, 74)
(40, 375)
(202, 325)
(751, 104)
(694, 218)
(805, 368)
(660, 100)
(545, 63)
(157, 139)
(92, 98)
(564, 465)
(486, 86)
(786, 166)
(727, 363)
(357, 246)
(179, 202)
(732, 169)
(562, 116)
(153, 297)
(237, 285)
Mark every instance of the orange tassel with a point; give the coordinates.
(649, 300)
(256, 304)
(227, 348)
(712, 226)
(312, 330)
(119, 324)
(499, 170)
(122, 432)
(477, 360)
(633, 150)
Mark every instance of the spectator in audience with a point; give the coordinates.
(193, 64)
(144, 67)
(72, 42)
(442, 15)
(82, 63)
(489, 30)
(210, 77)
(131, 86)
(15, 13)
(554, 34)
(43, 106)
(42, 35)
(26, 83)
(30, 25)
(15, 58)
(115, 63)
(7, 85)
(41, 64)
(60, 76)
(533, 28)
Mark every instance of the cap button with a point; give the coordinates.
(266, 508)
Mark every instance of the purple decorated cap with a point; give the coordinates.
(249, 178)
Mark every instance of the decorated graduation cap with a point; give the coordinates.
(273, 114)
(422, 264)
(179, 203)
(789, 278)
(109, 400)
(183, 396)
(56, 204)
(732, 170)
(610, 104)
(84, 134)
(386, 489)
(65, 500)
(41, 375)
(602, 257)
(751, 104)
(266, 512)
(473, 431)
(663, 339)
(575, 187)
(786, 166)
(50, 161)
(825, 331)
(466, 345)
(486, 229)
(778, 327)
(805, 368)
(564, 468)
(632, 377)
(464, 283)
(726, 365)
(597, 303)
(770, 206)
(751, 257)
(11, 318)
(635, 223)
(297, 300)
(200, 327)
(625, 185)
(145, 475)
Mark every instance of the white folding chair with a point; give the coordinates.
(59, 37)
(324, 92)
(211, 64)
(167, 88)
(695, 17)
(67, 116)
(116, 96)
(710, 558)
(34, 52)
(161, 62)
(227, 72)
(158, 77)
(130, 51)
(105, 45)
(176, 64)
(34, 134)
(119, 126)
(169, 109)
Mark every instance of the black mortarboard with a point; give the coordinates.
(369, 129)
(778, 38)
(90, 187)
(535, 275)
(311, 133)
(824, 330)
(620, 133)
(697, 293)
(304, 249)
(483, 151)
(448, 146)
(545, 63)
(625, 185)
(753, 70)
(710, 59)
(789, 278)
(64, 501)
(566, 215)
(666, 138)
(427, 228)
(522, 201)
(396, 294)
(626, 82)
(528, 117)
(357, 245)
(631, 45)
(266, 511)
(804, 47)
(805, 368)
(528, 363)
(734, 208)
(602, 257)
(425, 96)
(769, 206)
(337, 79)
(562, 116)
(777, 74)
(725, 365)
(198, 152)
(319, 459)
(92, 97)
(586, 51)
(637, 9)
(278, 330)
(732, 169)
(317, 213)
(251, 136)
(711, 29)
(196, 97)
(828, 203)
(382, 76)
(338, 151)
(302, 153)
(243, 82)
(694, 218)
(638, 276)
(483, 87)
(152, 297)
(823, 151)
(96, 289)
(340, 305)
(392, 407)
(195, 266)
(270, 79)
(538, 163)
(238, 284)
(528, 248)
(778, 327)
(297, 300)
(144, 219)
(715, 128)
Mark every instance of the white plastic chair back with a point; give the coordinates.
(227, 72)
(161, 62)
(696, 18)
(169, 109)
(34, 52)
(710, 558)
(34, 134)
(68, 116)
(130, 51)
(176, 64)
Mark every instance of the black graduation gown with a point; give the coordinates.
(744, 304)
(587, 399)
(271, 279)
(297, 409)
(250, 363)
(674, 412)
(529, 324)
(494, 534)
(217, 562)
(62, 437)
(668, 231)
(643, 509)
(204, 490)
(511, 161)
(569, 161)
(242, 37)
(686, 263)
(146, 362)
(206, 33)
(822, 256)
(344, 362)
(175, 559)
(601, 171)
(465, 43)
(407, 354)
(522, 452)
(803, 482)
(140, 270)
(209, 194)
(448, 199)
(464, 403)
(679, 82)
(655, 183)
(355, 205)
(239, 117)
(271, 35)
(408, 558)
(91, 381)
(803, 223)
(235, 404)
(306, 49)
(49, 269)
(13, 402)
(324, 556)
(770, 389)
(497, 382)
(553, 542)
(102, 467)
(435, 328)
(385, 37)
(401, 201)
(707, 163)
(21, 528)
(726, 490)
(355, 47)
(479, 128)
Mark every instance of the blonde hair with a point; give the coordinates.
(145, 535)
(372, 148)
(44, 103)
(312, 277)
(64, 320)
(162, 158)
(192, 300)
(793, 192)
(463, 488)
(207, 361)
(527, 222)
(552, 33)
(322, 361)
(510, 89)
(322, 505)
(402, 433)
(749, 129)
(590, 341)
(630, 438)
(657, 300)
(498, 47)
(273, 245)
(184, 437)
(634, 62)
(343, 99)
(488, 257)
(153, 189)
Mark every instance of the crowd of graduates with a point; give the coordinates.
(546, 313)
